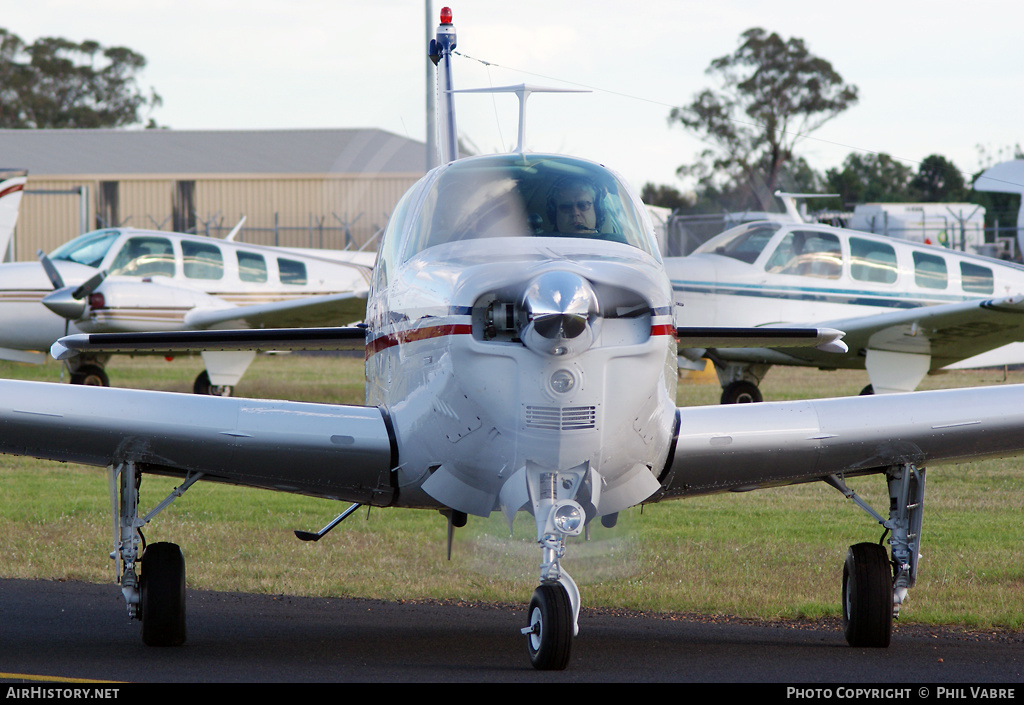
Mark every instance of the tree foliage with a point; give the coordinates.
(773, 93)
(56, 83)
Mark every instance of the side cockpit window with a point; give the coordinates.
(145, 256)
(808, 253)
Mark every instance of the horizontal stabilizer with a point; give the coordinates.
(171, 342)
(826, 339)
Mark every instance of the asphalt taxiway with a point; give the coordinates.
(71, 630)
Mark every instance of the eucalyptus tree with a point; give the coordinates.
(772, 93)
(58, 83)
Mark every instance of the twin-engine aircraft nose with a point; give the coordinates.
(558, 314)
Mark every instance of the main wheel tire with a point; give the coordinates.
(741, 393)
(867, 596)
(162, 588)
(90, 375)
(202, 386)
(868, 390)
(550, 642)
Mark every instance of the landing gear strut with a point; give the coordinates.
(157, 597)
(555, 606)
(875, 586)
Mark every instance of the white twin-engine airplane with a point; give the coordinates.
(906, 309)
(520, 356)
(120, 280)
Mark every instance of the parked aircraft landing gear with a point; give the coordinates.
(91, 375)
(741, 392)
(202, 386)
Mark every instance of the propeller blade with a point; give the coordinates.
(51, 270)
(89, 285)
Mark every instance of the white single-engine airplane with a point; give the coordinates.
(520, 356)
(906, 309)
(12, 186)
(119, 280)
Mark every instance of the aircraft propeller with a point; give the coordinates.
(68, 301)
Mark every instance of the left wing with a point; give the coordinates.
(332, 451)
(326, 310)
(172, 342)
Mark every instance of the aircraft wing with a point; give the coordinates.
(342, 452)
(327, 310)
(740, 447)
(948, 333)
(173, 342)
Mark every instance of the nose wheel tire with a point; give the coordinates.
(162, 595)
(867, 596)
(550, 632)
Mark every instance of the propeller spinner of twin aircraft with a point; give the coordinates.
(521, 343)
(122, 280)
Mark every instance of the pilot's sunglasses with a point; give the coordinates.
(579, 205)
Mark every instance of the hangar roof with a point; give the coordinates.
(198, 152)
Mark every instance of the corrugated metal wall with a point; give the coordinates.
(299, 211)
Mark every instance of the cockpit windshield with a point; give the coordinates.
(744, 242)
(519, 195)
(88, 249)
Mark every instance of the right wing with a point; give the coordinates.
(740, 447)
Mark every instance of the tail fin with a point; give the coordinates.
(441, 49)
(12, 185)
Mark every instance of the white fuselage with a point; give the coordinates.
(473, 411)
(167, 276)
(858, 275)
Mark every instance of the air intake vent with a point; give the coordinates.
(553, 418)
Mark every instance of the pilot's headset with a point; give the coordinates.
(577, 182)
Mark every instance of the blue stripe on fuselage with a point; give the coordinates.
(851, 297)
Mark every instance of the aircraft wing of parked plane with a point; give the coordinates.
(125, 279)
(520, 345)
(907, 309)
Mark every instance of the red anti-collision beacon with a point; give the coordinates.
(446, 15)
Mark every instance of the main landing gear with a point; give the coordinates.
(875, 586)
(156, 596)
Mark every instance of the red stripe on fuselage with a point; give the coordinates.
(410, 336)
(12, 189)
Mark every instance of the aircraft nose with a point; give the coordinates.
(63, 303)
(559, 311)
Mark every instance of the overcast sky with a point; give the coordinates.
(936, 77)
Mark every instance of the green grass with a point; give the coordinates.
(769, 554)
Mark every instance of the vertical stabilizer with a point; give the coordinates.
(1006, 177)
(441, 49)
(12, 185)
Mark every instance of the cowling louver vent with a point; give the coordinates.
(554, 418)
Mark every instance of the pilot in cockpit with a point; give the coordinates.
(575, 206)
